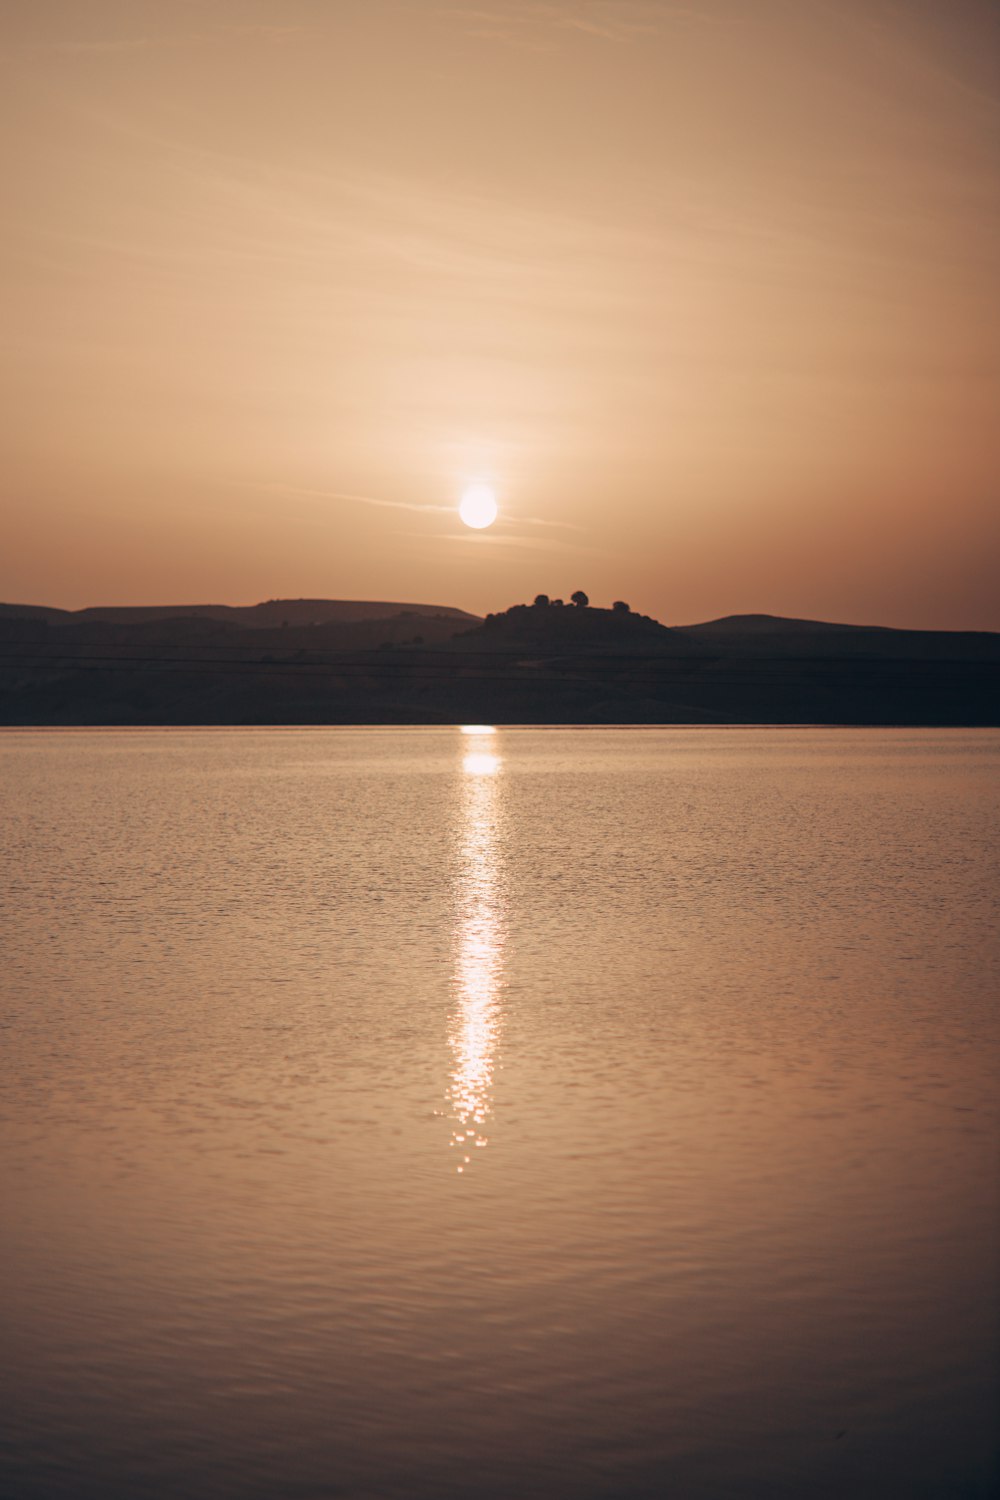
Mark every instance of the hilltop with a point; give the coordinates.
(553, 625)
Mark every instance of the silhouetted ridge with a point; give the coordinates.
(272, 612)
(768, 625)
(777, 637)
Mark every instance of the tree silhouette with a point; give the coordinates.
(579, 599)
(620, 607)
(541, 601)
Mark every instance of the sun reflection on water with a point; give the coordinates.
(479, 940)
(480, 764)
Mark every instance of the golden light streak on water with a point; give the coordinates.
(480, 764)
(479, 943)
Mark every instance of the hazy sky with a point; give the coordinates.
(707, 291)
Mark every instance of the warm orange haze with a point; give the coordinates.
(500, 750)
(704, 293)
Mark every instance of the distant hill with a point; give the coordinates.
(775, 636)
(272, 613)
(766, 625)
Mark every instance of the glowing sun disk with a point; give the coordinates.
(478, 507)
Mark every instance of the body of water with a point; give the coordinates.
(558, 1113)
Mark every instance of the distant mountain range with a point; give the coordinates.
(367, 661)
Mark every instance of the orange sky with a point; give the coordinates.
(707, 290)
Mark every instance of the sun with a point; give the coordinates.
(478, 507)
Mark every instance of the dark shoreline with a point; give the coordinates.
(393, 689)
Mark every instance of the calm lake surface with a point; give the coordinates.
(575, 1112)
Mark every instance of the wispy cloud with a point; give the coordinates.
(505, 521)
(106, 45)
(345, 495)
(539, 27)
(500, 540)
(109, 46)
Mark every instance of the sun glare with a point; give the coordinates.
(478, 507)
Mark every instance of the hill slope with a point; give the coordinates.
(776, 636)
